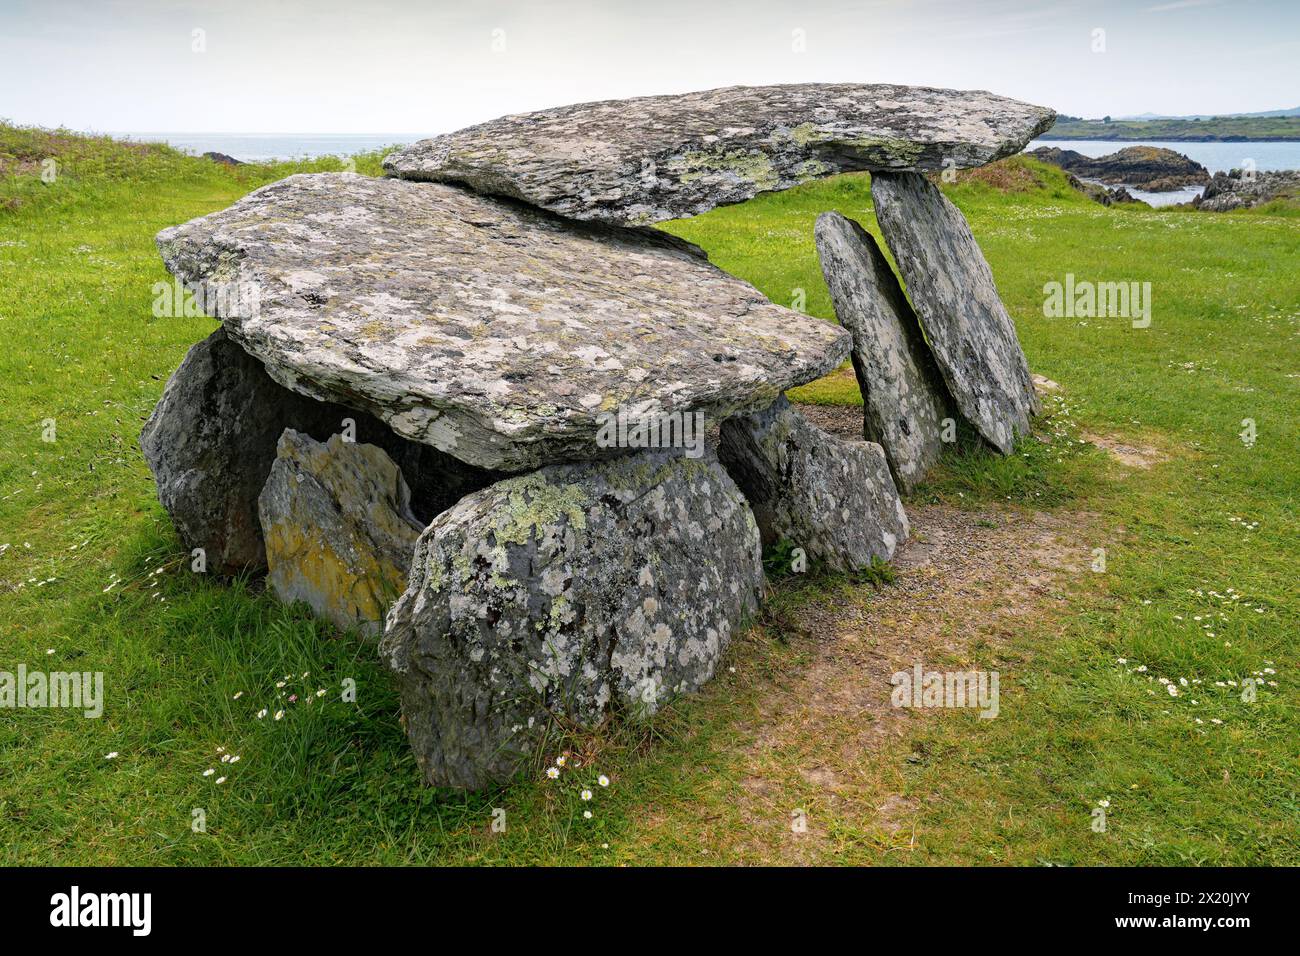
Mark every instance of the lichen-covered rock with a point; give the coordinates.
(211, 440)
(951, 286)
(339, 529)
(834, 499)
(904, 399)
(570, 591)
(496, 333)
(644, 160)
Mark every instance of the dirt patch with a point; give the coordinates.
(1128, 454)
(842, 421)
(967, 583)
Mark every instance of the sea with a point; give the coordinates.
(1216, 157)
(263, 147)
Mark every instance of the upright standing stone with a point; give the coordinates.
(904, 399)
(972, 336)
(643, 160)
(834, 499)
(339, 529)
(566, 593)
(210, 442)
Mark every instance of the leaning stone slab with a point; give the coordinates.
(572, 591)
(496, 333)
(970, 333)
(904, 399)
(644, 160)
(339, 528)
(832, 498)
(211, 441)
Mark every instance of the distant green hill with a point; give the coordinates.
(1220, 128)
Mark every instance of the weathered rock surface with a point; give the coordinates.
(211, 440)
(1150, 168)
(339, 529)
(493, 332)
(1107, 196)
(904, 399)
(569, 591)
(951, 286)
(1238, 190)
(834, 499)
(210, 443)
(644, 160)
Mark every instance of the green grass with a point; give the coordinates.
(1220, 128)
(333, 782)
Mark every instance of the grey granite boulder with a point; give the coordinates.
(496, 333)
(834, 499)
(644, 160)
(951, 286)
(567, 593)
(211, 440)
(904, 399)
(339, 529)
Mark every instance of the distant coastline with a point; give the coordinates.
(1223, 129)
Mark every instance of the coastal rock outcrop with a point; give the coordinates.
(904, 399)
(951, 287)
(564, 594)
(1149, 168)
(339, 529)
(1238, 189)
(834, 499)
(644, 160)
(496, 333)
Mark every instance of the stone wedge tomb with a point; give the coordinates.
(470, 409)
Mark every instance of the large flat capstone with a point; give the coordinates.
(496, 333)
(971, 335)
(648, 159)
(567, 593)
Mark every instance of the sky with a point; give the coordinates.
(406, 66)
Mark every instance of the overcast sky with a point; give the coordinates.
(405, 66)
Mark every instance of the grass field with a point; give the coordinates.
(1200, 582)
(1220, 128)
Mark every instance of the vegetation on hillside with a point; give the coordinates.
(1220, 128)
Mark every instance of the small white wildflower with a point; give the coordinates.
(586, 794)
(559, 761)
(586, 814)
(237, 696)
(209, 772)
(112, 755)
(261, 713)
(1103, 803)
(603, 780)
(279, 714)
(1173, 691)
(552, 772)
(221, 780)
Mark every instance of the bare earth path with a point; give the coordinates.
(818, 760)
